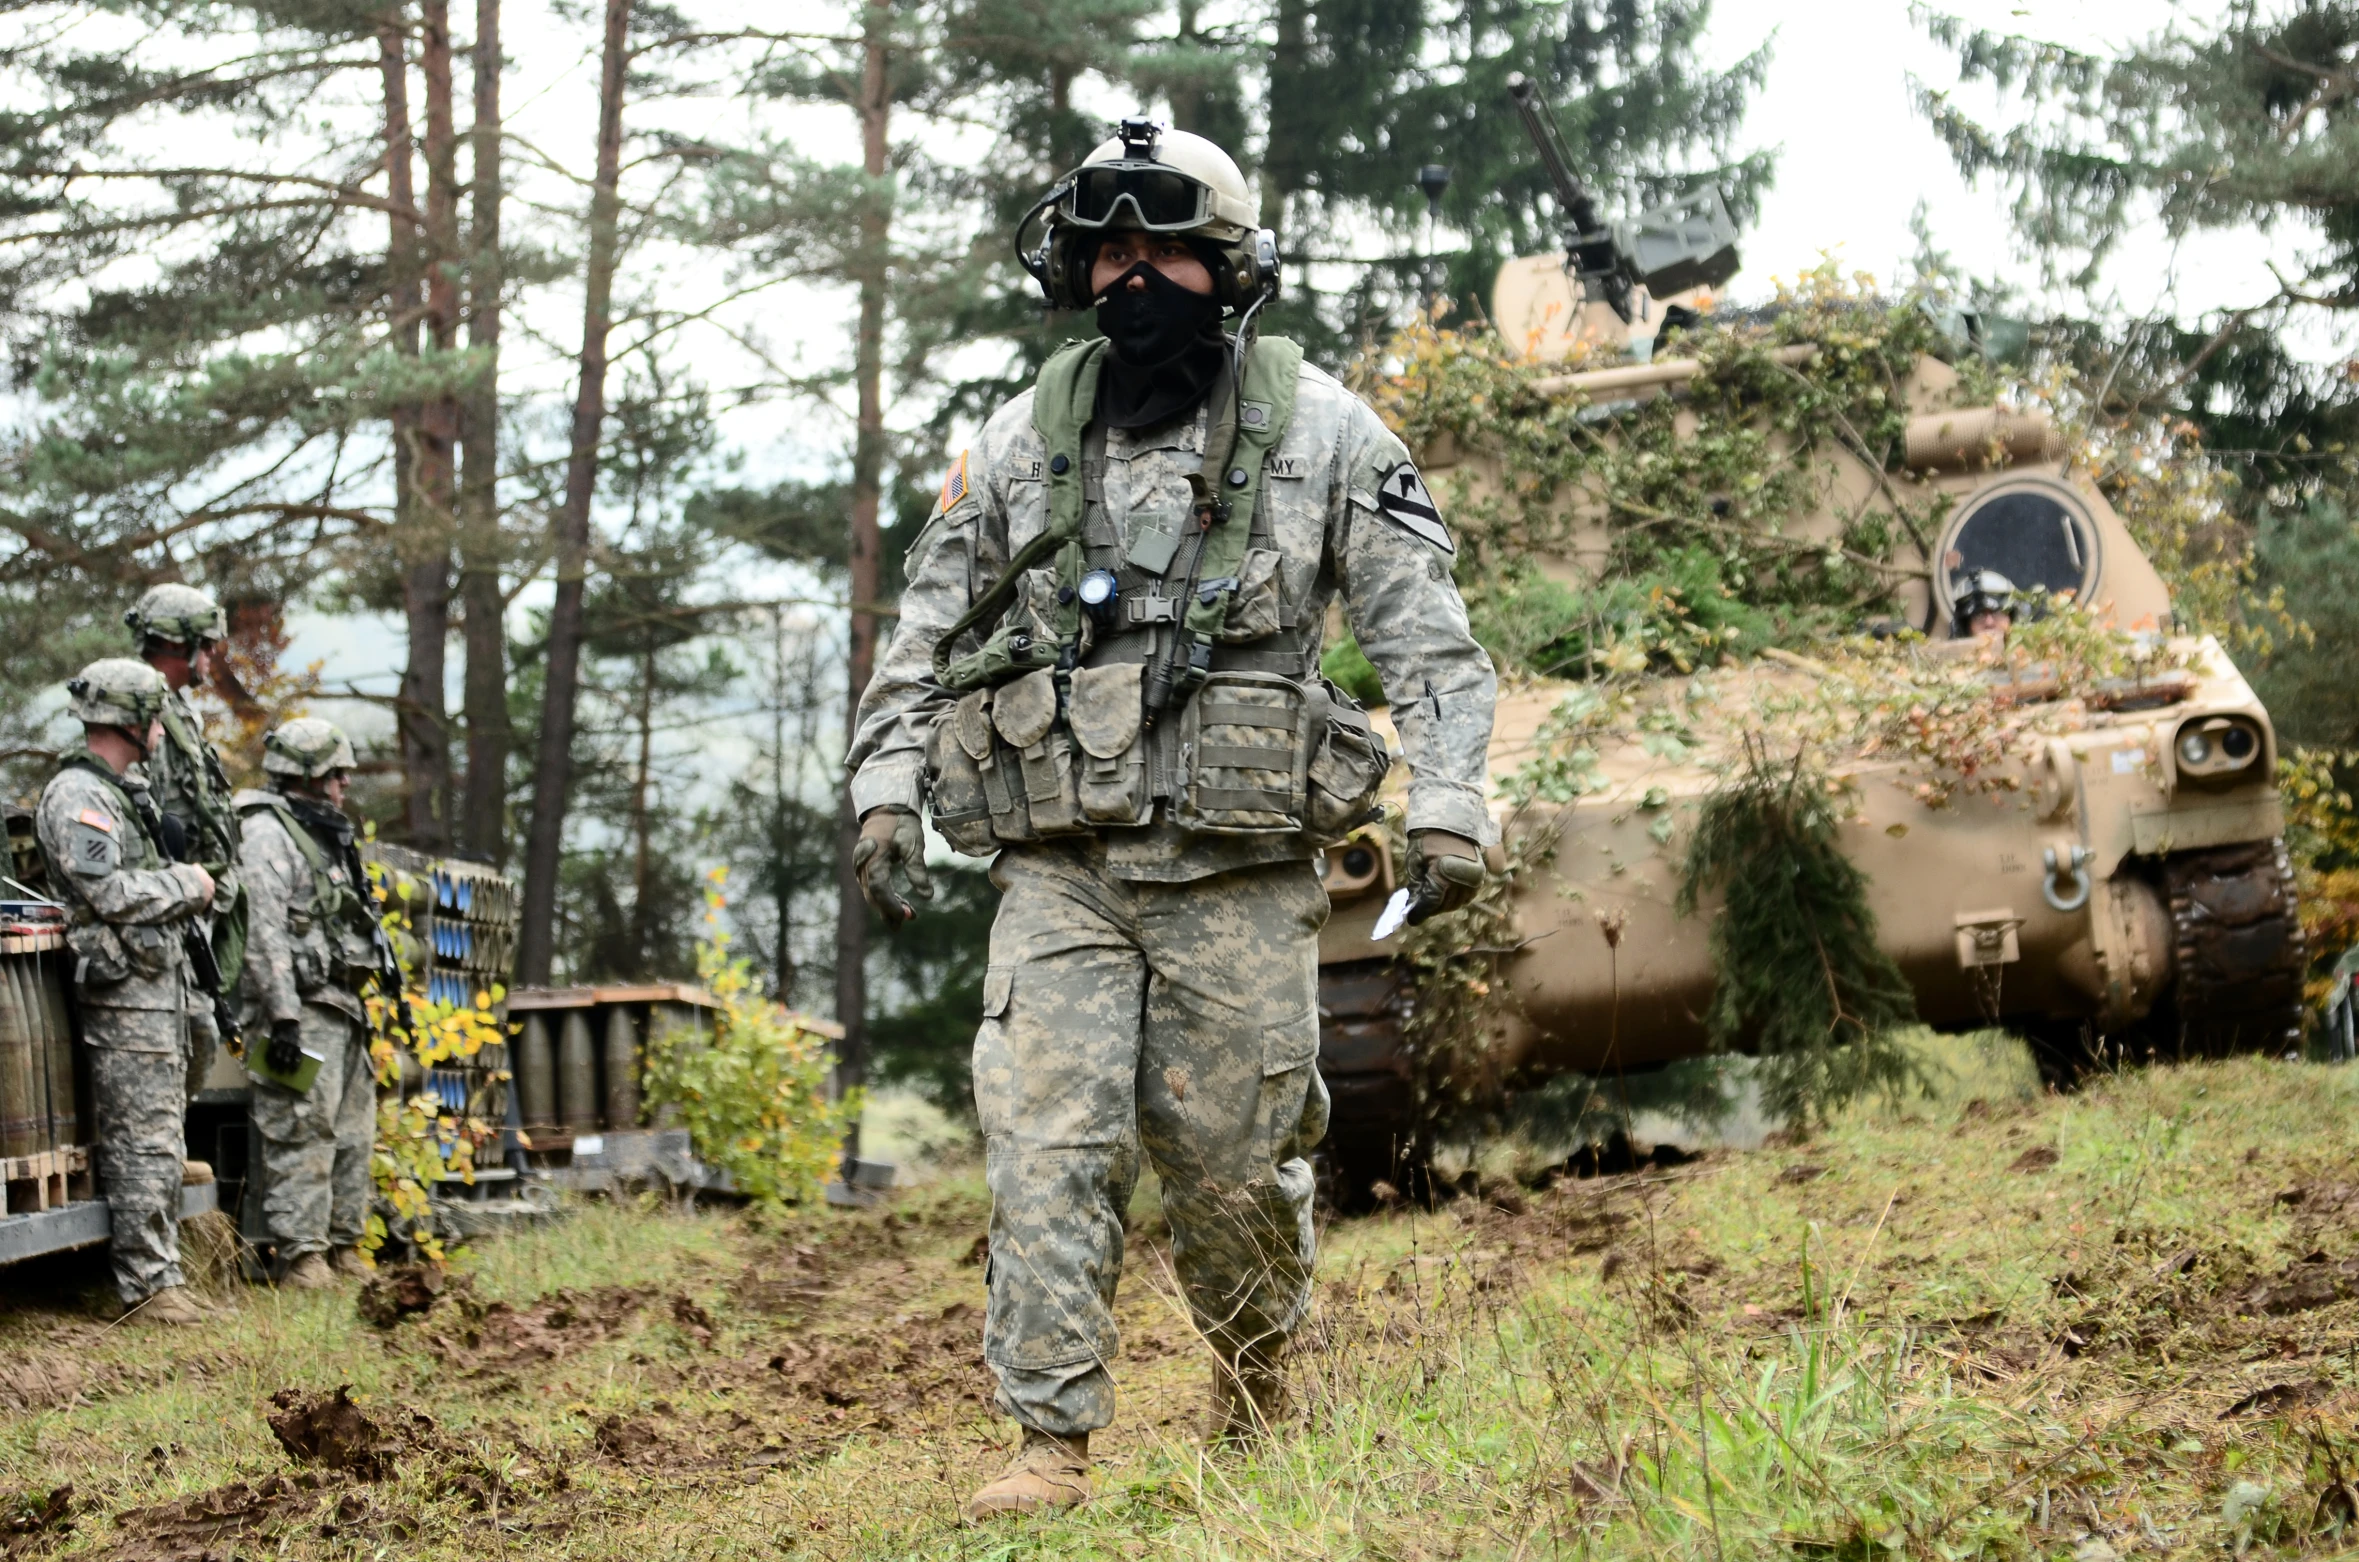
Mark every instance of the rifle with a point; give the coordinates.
(168, 833)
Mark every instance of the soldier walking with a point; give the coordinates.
(178, 630)
(311, 950)
(1106, 669)
(131, 908)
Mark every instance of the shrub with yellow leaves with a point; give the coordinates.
(754, 1095)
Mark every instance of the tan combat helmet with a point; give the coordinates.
(120, 691)
(180, 614)
(307, 748)
(1152, 180)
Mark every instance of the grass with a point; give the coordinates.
(1988, 1324)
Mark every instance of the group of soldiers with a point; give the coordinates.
(199, 916)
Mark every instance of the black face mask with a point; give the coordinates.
(1167, 349)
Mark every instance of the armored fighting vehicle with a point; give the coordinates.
(2111, 877)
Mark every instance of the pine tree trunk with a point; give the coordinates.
(483, 820)
(552, 780)
(642, 822)
(868, 466)
(1281, 163)
(426, 584)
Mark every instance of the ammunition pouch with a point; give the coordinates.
(1253, 753)
(99, 949)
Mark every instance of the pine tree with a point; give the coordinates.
(2243, 124)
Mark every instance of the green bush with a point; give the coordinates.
(753, 1095)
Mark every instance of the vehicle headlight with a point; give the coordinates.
(2218, 748)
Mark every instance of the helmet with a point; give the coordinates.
(181, 614)
(308, 747)
(120, 691)
(1156, 181)
(1979, 591)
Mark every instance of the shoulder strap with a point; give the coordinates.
(1062, 399)
(1226, 492)
(313, 858)
(189, 741)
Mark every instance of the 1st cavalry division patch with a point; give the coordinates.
(1405, 499)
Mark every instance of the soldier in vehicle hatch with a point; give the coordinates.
(1107, 671)
(179, 630)
(131, 910)
(311, 952)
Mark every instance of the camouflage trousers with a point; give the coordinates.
(139, 1084)
(315, 1146)
(1178, 1019)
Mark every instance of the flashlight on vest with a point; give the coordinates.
(1099, 591)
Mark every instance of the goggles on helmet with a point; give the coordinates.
(1156, 198)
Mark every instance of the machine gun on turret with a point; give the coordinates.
(1682, 244)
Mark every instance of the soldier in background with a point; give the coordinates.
(178, 630)
(311, 950)
(131, 908)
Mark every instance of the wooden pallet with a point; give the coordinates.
(48, 1180)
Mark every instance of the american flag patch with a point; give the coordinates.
(954, 485)
(98, 821)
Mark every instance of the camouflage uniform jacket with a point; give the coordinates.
(189, 783)
(126, 898)
(1325, 489)
(299, 950)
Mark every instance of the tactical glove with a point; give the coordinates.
(892, 838)
(286, 1046)
(1444, 872)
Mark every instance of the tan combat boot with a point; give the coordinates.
(310, 1273)
(1248, 1401)
(1047, 1473)
(347, 1261)
(172, 1304)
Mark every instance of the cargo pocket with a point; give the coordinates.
(1105, 718)
(1255, 612)
(1242, 748)
(991, 1066)
(956, 751)
(1025, 712)
(1291, 1092)
(1347, 769)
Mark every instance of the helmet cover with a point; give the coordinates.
(308, 747)
(120, 691)
(180, 614)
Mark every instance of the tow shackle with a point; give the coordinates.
(2072, 868)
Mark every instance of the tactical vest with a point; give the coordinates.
(113, 952)
(334, 908)
(1191, 696)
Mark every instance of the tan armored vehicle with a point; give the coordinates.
(2111, 875)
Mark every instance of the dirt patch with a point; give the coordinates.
(2314, 1281)
(917, 1359)
(29, 1516)
(629, 1441)
(788, 1282)
(497, 1337)
(193, 1529)
(2039, 1158)
(330, 1431)
(406, 1291)
(40, 1380)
